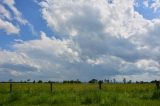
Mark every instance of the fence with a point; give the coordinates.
(14, 87)
(51, 87)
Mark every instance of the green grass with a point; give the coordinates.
(79, 95)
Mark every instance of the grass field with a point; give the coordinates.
(79, 95)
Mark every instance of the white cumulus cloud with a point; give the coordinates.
(11, 18)
(96, 39)
(8, 27)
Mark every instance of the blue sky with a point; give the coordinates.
(31, 12)
(147, 12)
(49, 39)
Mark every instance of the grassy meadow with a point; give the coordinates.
(29, 94)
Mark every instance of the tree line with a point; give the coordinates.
(108, 81)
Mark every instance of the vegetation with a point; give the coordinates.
(80, 94)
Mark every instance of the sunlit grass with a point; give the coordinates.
(28, 94)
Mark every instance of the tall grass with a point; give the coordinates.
(79, 95)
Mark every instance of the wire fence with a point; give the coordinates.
(51, 87)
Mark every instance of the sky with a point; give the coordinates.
(79, 39)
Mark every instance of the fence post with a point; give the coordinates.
(10, 87)
(51, 86)
(100, 84)
(157, 85)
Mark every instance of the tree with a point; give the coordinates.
(130, 81)
(93, 81)
(106, 81)
(114, 80)
(10, 80)
(40, 81)
(78, 81)
(124, 80)
(28, 80)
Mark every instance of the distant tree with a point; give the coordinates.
(114, 80)
(93, 81)
(71, 81)
(64, 81)
(40, 81)
(124, 80)
(10, 80)
(78, 81)
(49, 81)
(154, 81)
(28, 80)
(106, 80)
(141, 82)
(130, 81)
(34, 81)
(111, 81)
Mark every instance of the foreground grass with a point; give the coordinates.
(79, 95)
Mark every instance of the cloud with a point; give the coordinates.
(54, 59)
(32, 57)
(6, 18)
(96, 39)
(15, 73)
(105, 29)
(156, 5)
(149, 65)
(11, 18)
(17, 14)
(98, 28)
(4, 13)
(146, 4)
(8, 27)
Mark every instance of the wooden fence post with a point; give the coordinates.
(10, 87)
(51, 86)
(157, 85)
(100, 84)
